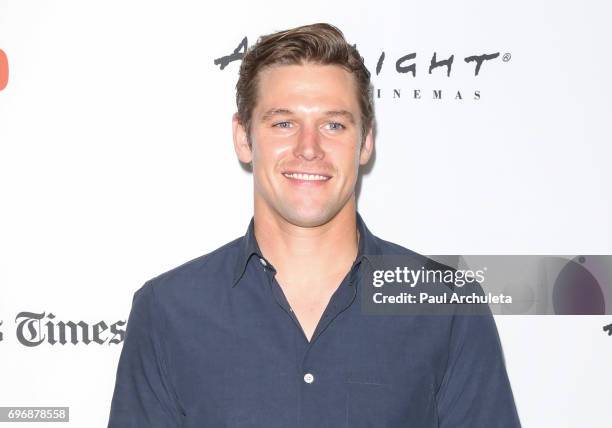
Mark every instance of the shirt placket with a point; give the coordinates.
(342, 298)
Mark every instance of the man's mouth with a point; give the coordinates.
(306, 177)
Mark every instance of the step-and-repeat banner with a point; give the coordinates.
(116, 164)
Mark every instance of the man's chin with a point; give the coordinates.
(309, 219)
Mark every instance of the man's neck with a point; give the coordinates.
(303, 256)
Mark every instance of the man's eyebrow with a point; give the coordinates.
(344, 113)
(280, 111)
(273, 112)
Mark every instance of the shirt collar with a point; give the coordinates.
(368, 245)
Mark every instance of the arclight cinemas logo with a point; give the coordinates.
(410, 65)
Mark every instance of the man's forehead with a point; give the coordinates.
(305, 71)
(326, 88)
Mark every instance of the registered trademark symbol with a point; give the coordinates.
(506, 57)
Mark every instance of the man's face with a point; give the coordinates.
(305, 142)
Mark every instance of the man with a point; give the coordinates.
(267, 330)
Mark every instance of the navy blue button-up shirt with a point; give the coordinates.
(214, 343)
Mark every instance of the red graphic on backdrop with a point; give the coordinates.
(3, 70)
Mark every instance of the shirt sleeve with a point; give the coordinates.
(475, 391)
(143, 396)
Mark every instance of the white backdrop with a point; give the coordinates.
(116, 164)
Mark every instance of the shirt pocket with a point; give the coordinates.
(371, 402)
(368, 404)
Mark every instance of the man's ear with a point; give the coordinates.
(367, 147)
(241, 142)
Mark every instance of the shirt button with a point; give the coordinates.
(263, 262)
(308, 378)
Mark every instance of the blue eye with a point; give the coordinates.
(336, 126)
(282, 125)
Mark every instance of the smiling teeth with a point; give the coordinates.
(308, 177)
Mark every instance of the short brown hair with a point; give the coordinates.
(317, 43)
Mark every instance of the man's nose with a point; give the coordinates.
(308, 146)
